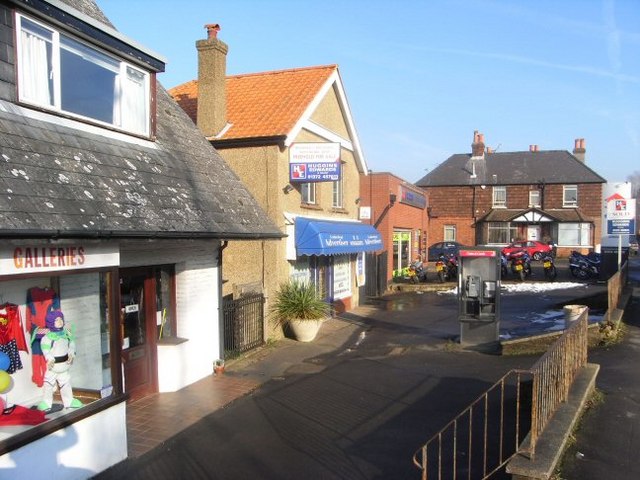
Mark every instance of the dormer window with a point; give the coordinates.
(63, 74)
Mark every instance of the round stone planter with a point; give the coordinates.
(305, 330)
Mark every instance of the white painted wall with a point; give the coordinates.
(70, 453)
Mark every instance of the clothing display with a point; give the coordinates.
(11, 327)
(40, 301)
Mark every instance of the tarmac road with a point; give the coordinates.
(358, 410)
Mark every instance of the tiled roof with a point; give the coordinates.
(511, 168)
(262, 104)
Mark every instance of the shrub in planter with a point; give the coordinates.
(299, 306)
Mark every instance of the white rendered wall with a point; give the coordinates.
(77, 452)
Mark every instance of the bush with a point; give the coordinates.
(299, 300)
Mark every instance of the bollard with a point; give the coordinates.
(572, 313)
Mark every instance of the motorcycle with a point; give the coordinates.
(447, 268)
(417, 272)
(550, 271)
(521, 264)
(584, 266)
(504, 265)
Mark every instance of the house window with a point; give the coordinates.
(308, 192)
(60, 73)
(570, 196)
(449, 233)
(337, 193)
(501, 232)
(499, 197)
(574, 234)
(534, 198)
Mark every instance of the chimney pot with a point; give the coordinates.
(477, 147)
(212, 30)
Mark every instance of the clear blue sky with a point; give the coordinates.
(421, 76)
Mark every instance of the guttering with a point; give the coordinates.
(248, 142)
(111, 235)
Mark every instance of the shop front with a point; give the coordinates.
(329, 253)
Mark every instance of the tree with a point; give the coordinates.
(634, 178)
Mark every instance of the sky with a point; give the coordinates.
(421, 76)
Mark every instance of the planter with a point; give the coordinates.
(305, 330)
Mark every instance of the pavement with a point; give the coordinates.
(319, 410)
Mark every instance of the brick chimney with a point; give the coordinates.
(579, 150)
(533, 148)
(477, 147)
(212, 72)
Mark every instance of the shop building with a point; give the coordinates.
(291, 138)
(114, 212)
(398, 210)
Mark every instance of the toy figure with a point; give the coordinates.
(59, 349)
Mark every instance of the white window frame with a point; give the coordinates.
(308, 193)
(338, 192)
(574, 234)
(568, 203)
(126, 94)
(449, 233)
(534, 198)
(499, 191)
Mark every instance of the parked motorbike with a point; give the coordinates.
(417, 272)
(520, 264)
(584, 266)
(548, 264)
(447, 268)
(504, 265)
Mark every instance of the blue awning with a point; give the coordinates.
(324, 237)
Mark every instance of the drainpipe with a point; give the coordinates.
(222, 246)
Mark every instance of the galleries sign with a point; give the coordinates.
(19, 259)
(314, 162)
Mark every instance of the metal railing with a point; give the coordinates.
(488, 433)
(243, 323)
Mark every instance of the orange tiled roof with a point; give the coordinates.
(262, 104)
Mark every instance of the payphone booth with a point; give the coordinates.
(479, 296)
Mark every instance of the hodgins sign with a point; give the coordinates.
(19, 259)
(314, 162)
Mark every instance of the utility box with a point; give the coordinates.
(479, 296)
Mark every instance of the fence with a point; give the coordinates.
(243, 323)
(615, 286)
(488, 433)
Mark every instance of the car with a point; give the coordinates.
(442, 248)
(534, 248)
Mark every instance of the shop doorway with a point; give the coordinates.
(138, 331)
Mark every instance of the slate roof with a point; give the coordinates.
(65, 179)
(265, 104)
(511, 168)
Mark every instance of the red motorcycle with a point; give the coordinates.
(447, 268)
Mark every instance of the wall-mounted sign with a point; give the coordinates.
(365, 213)
(18, 259)
(314, 162)
(415, 199)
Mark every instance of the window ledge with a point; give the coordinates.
(48, 427)
(310, 206)
(340, 210)
(171, 341)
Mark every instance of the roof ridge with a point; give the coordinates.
(286, 70)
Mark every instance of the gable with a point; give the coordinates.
(329, 115)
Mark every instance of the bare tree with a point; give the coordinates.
(634, 178)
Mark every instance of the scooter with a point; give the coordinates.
(584, 266)
(521, 264)
(417, 272)
(447, 268)
(550, 271)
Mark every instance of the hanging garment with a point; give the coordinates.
(11, 327)
(11, 349)
(39, 302)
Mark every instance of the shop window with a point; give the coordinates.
(574, 234)
(165, 302)
(501, 232)
(499, 197)
(60, 73)
(570, 196)
(308, 192)
(60, 328)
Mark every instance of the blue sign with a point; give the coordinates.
(621, 227)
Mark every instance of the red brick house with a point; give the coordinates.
(492, 198)
(398, 210)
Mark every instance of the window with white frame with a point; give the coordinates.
(534, 198)
(63, 74)
(338, 193)
(449, 233)
(500, 196)
(308, 193)
(570, 196)
(574, 234)
(501, 232)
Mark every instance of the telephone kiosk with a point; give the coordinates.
(479, 296)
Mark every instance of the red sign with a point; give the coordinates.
(477, 253)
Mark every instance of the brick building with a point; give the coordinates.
(398, 210)
(485, 197)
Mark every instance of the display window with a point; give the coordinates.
(55, 349)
